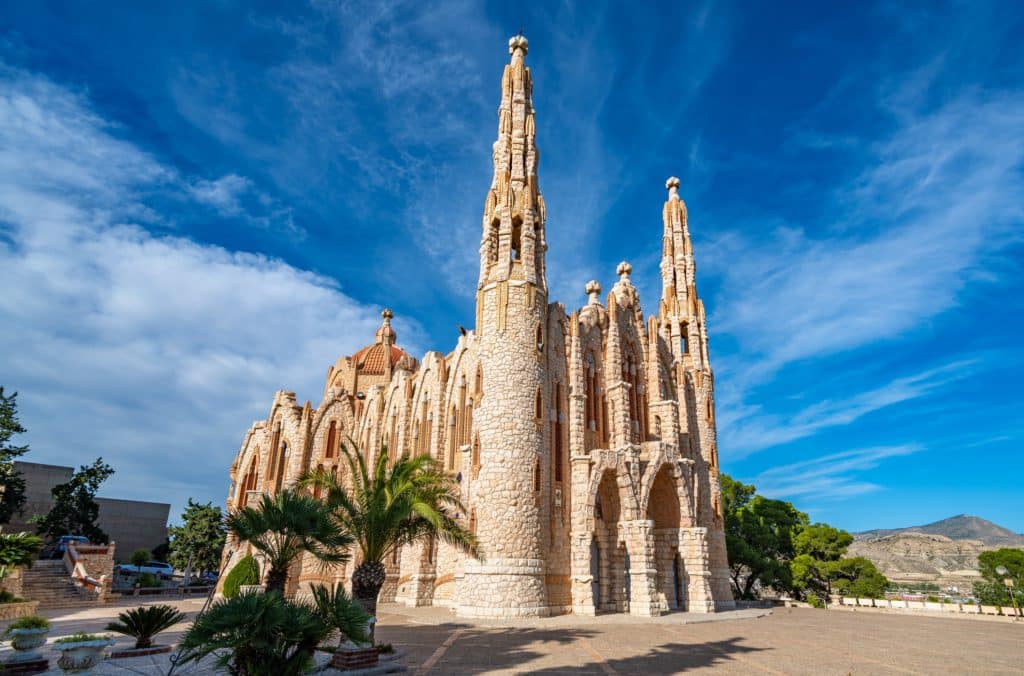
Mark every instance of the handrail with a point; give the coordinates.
(77, 569)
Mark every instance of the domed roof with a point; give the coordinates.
(373, 359)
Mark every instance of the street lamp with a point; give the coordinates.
(1008, 581)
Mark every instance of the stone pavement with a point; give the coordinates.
(781, 641)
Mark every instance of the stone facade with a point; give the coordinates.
(584, 443)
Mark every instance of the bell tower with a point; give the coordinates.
(511, 314)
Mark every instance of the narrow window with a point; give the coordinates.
(517, 235)
(332, 440)
(495, 226)
(536, 475)
(540, 338)
(539, 406)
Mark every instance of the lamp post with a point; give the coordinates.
(1008, 581)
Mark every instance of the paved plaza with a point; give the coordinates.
(781, 641)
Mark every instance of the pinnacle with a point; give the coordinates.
(518, 42)
(673, 187)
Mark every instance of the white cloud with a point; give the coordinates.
(938, 202)
(833, 477)
(156, 352)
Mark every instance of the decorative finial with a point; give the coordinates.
(593, 289)
(673, 187)
(387, 314)
(518, 42)
(624, 270)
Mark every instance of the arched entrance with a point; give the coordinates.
(663, 509)
(611, 558)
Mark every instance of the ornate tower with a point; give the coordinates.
(682, 324)
(510, 332)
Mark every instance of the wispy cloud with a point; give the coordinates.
(152, 351)
(835, 476)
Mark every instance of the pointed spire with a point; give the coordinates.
(513, 239)
(386, 334)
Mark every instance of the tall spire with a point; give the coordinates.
(513, 243)
(677, 267)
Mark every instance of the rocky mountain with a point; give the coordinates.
(943, 553)
(960, 527)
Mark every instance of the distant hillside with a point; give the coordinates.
(960, 527)
(943, 553)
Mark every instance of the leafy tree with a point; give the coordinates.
(759, 538)
(145, 622)
(75, 510)
(256, 635)
(284, 526)
(12, 485)
(390, 505)
(992, 590)
(819, 568)
(199, 539)
(245, 572)
(141, 557)
(17, 549)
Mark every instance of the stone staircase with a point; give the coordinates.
(49, 583)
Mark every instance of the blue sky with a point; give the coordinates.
(202, 204)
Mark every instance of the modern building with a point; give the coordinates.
(583, 442)
(131, 524)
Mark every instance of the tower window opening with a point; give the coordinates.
(517, 237)
(495, 226)
(684, 341)
(539, 406)
(540, 338)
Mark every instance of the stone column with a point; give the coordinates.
(582, 578)
(643, 574)
(694, 551)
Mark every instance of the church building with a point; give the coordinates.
(583, 442)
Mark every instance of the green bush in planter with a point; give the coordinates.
(29, 622)
(245, 572)
(81, 637)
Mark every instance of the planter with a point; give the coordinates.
(12, 611)
(351, 659)
(81, 656)
(26, 644)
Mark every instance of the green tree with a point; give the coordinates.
(759, 538)
(819, 568)
(12, 485)
(199, 539)
(140, 557)
(75, 510)
(390, 505)
(341, 612)
(284, 526)
(145, 622)
(992, 589)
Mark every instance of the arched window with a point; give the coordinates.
(281, 465)
(684, 340)
(538, 407)
(536, 475)
(711, 410)
(332, 440)
(478, 385)
(318, 491)
(540, 338)
(453, 438)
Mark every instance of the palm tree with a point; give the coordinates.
(389, 505)
(145, 622)
(284, 526)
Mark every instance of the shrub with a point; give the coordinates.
(140, 557)
(147, 580)
(246, 571)
(256, 634)
(932, 598)
(29, 622)
(815, 601)
(8, 597)
(341, 612)
(17, 549)
(145, 622)
(82, 636)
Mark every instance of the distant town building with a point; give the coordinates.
(131, 524)
(584, 444)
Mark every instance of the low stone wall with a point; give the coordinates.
(924, 606)
(12, 611)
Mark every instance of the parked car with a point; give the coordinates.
(56, 549)
(158, 568)
(208, 577)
